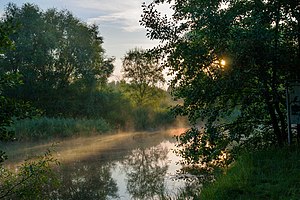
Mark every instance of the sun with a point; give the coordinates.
(223, 62)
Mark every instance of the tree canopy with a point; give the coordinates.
(53, 48)
(144, 73)
(242, 101)
(56, 54)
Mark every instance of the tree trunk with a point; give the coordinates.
(275, 124)
(282, 122)
(274, 120)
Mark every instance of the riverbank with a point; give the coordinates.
(270, 174)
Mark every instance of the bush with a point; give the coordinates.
(163, 119)
(35, 179)
(148, 119)
(142, 119)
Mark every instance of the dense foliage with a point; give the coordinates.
(64, 69)
(35, 178)
(56, 54)
(243, 101)
(9, 107)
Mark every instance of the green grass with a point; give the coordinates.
(46, 128)
(271, 174)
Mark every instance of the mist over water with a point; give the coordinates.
(117, 166)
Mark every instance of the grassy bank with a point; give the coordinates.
(270, 174)
(45, 128)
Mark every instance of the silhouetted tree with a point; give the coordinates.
(243, 100)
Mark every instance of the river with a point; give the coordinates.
(115, 166)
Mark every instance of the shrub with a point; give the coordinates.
(35, 179)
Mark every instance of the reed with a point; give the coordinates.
(46, 128)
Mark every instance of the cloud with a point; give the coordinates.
(126, 14)
(127, 24)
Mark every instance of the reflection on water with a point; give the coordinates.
(85, 181)
(142, 173)
(145, 171)
(136, 166)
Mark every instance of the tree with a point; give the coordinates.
(7, 105)
(34, 176)
(242, 102)
(143, 73)
(10, 108)
(53, 51)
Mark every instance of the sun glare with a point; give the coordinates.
(223, 62)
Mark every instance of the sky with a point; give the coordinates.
(118, 21)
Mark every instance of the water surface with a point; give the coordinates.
(118, 166)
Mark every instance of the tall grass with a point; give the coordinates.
(270, 174)
(45, 128)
